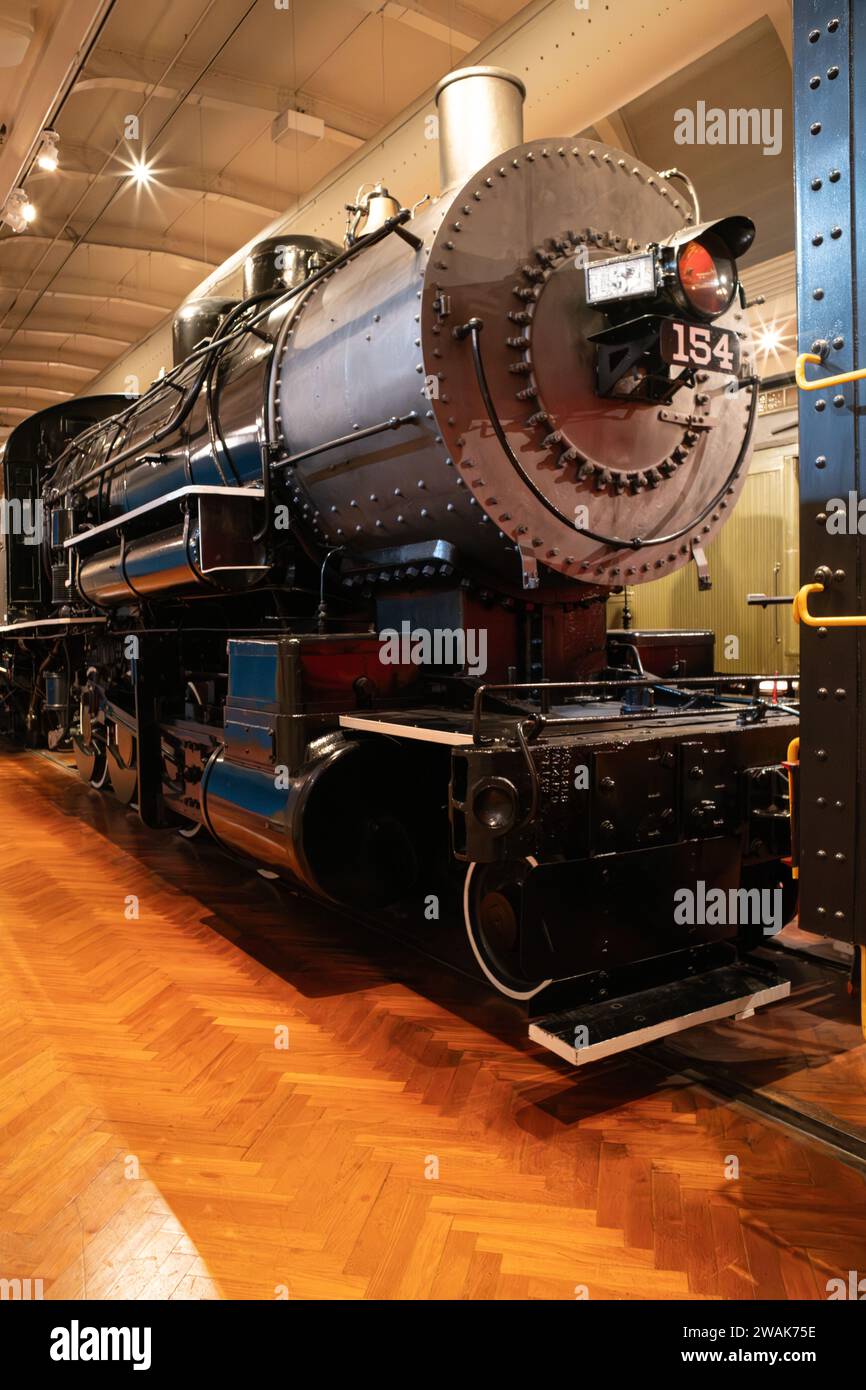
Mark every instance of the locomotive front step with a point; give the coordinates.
(593, 1031)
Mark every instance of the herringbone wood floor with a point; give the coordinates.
(156, 1144)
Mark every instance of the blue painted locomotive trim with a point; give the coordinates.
(829, 78)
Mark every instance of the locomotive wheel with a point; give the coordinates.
(122, 762)
(491, 915)
(89, 749)
(189, 832)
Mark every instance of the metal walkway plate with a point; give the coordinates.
(590, 1032)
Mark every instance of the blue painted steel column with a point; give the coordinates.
(830, 170)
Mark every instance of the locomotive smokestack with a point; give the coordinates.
(480, 116)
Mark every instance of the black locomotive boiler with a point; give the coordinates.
(332, 591)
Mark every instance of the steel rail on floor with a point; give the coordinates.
(848, 1147)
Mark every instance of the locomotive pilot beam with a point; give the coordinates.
(332, 591)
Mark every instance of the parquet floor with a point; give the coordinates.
(158, 1141)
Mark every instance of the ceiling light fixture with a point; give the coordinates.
(141, 172)
(48, 156)
(769, 339)
(772, 340)
(18, 211)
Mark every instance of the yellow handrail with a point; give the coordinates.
(793, 761)
(821, 383)
(802, 614)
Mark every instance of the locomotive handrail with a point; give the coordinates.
(472, 330)
(393, 422)
(802, 614)
(214, 426)
(545, 688)
(55, 624)
(393, 224)
(822, 382)
(186, 401)
(684, 178)
(168, 380)
(792, 763)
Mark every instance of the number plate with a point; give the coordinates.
(700, 345)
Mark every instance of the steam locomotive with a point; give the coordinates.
(332, 591)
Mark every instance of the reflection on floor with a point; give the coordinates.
(159, 1142)
(808, 1055)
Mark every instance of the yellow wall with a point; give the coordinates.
(761, 533)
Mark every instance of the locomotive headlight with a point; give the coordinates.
(701, 264)
(660, 305)
(696, 268)
(707, 275)
(624, 277)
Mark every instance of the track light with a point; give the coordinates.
(769, 339)
(141, 172)
(18, 211)
(47, 158)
